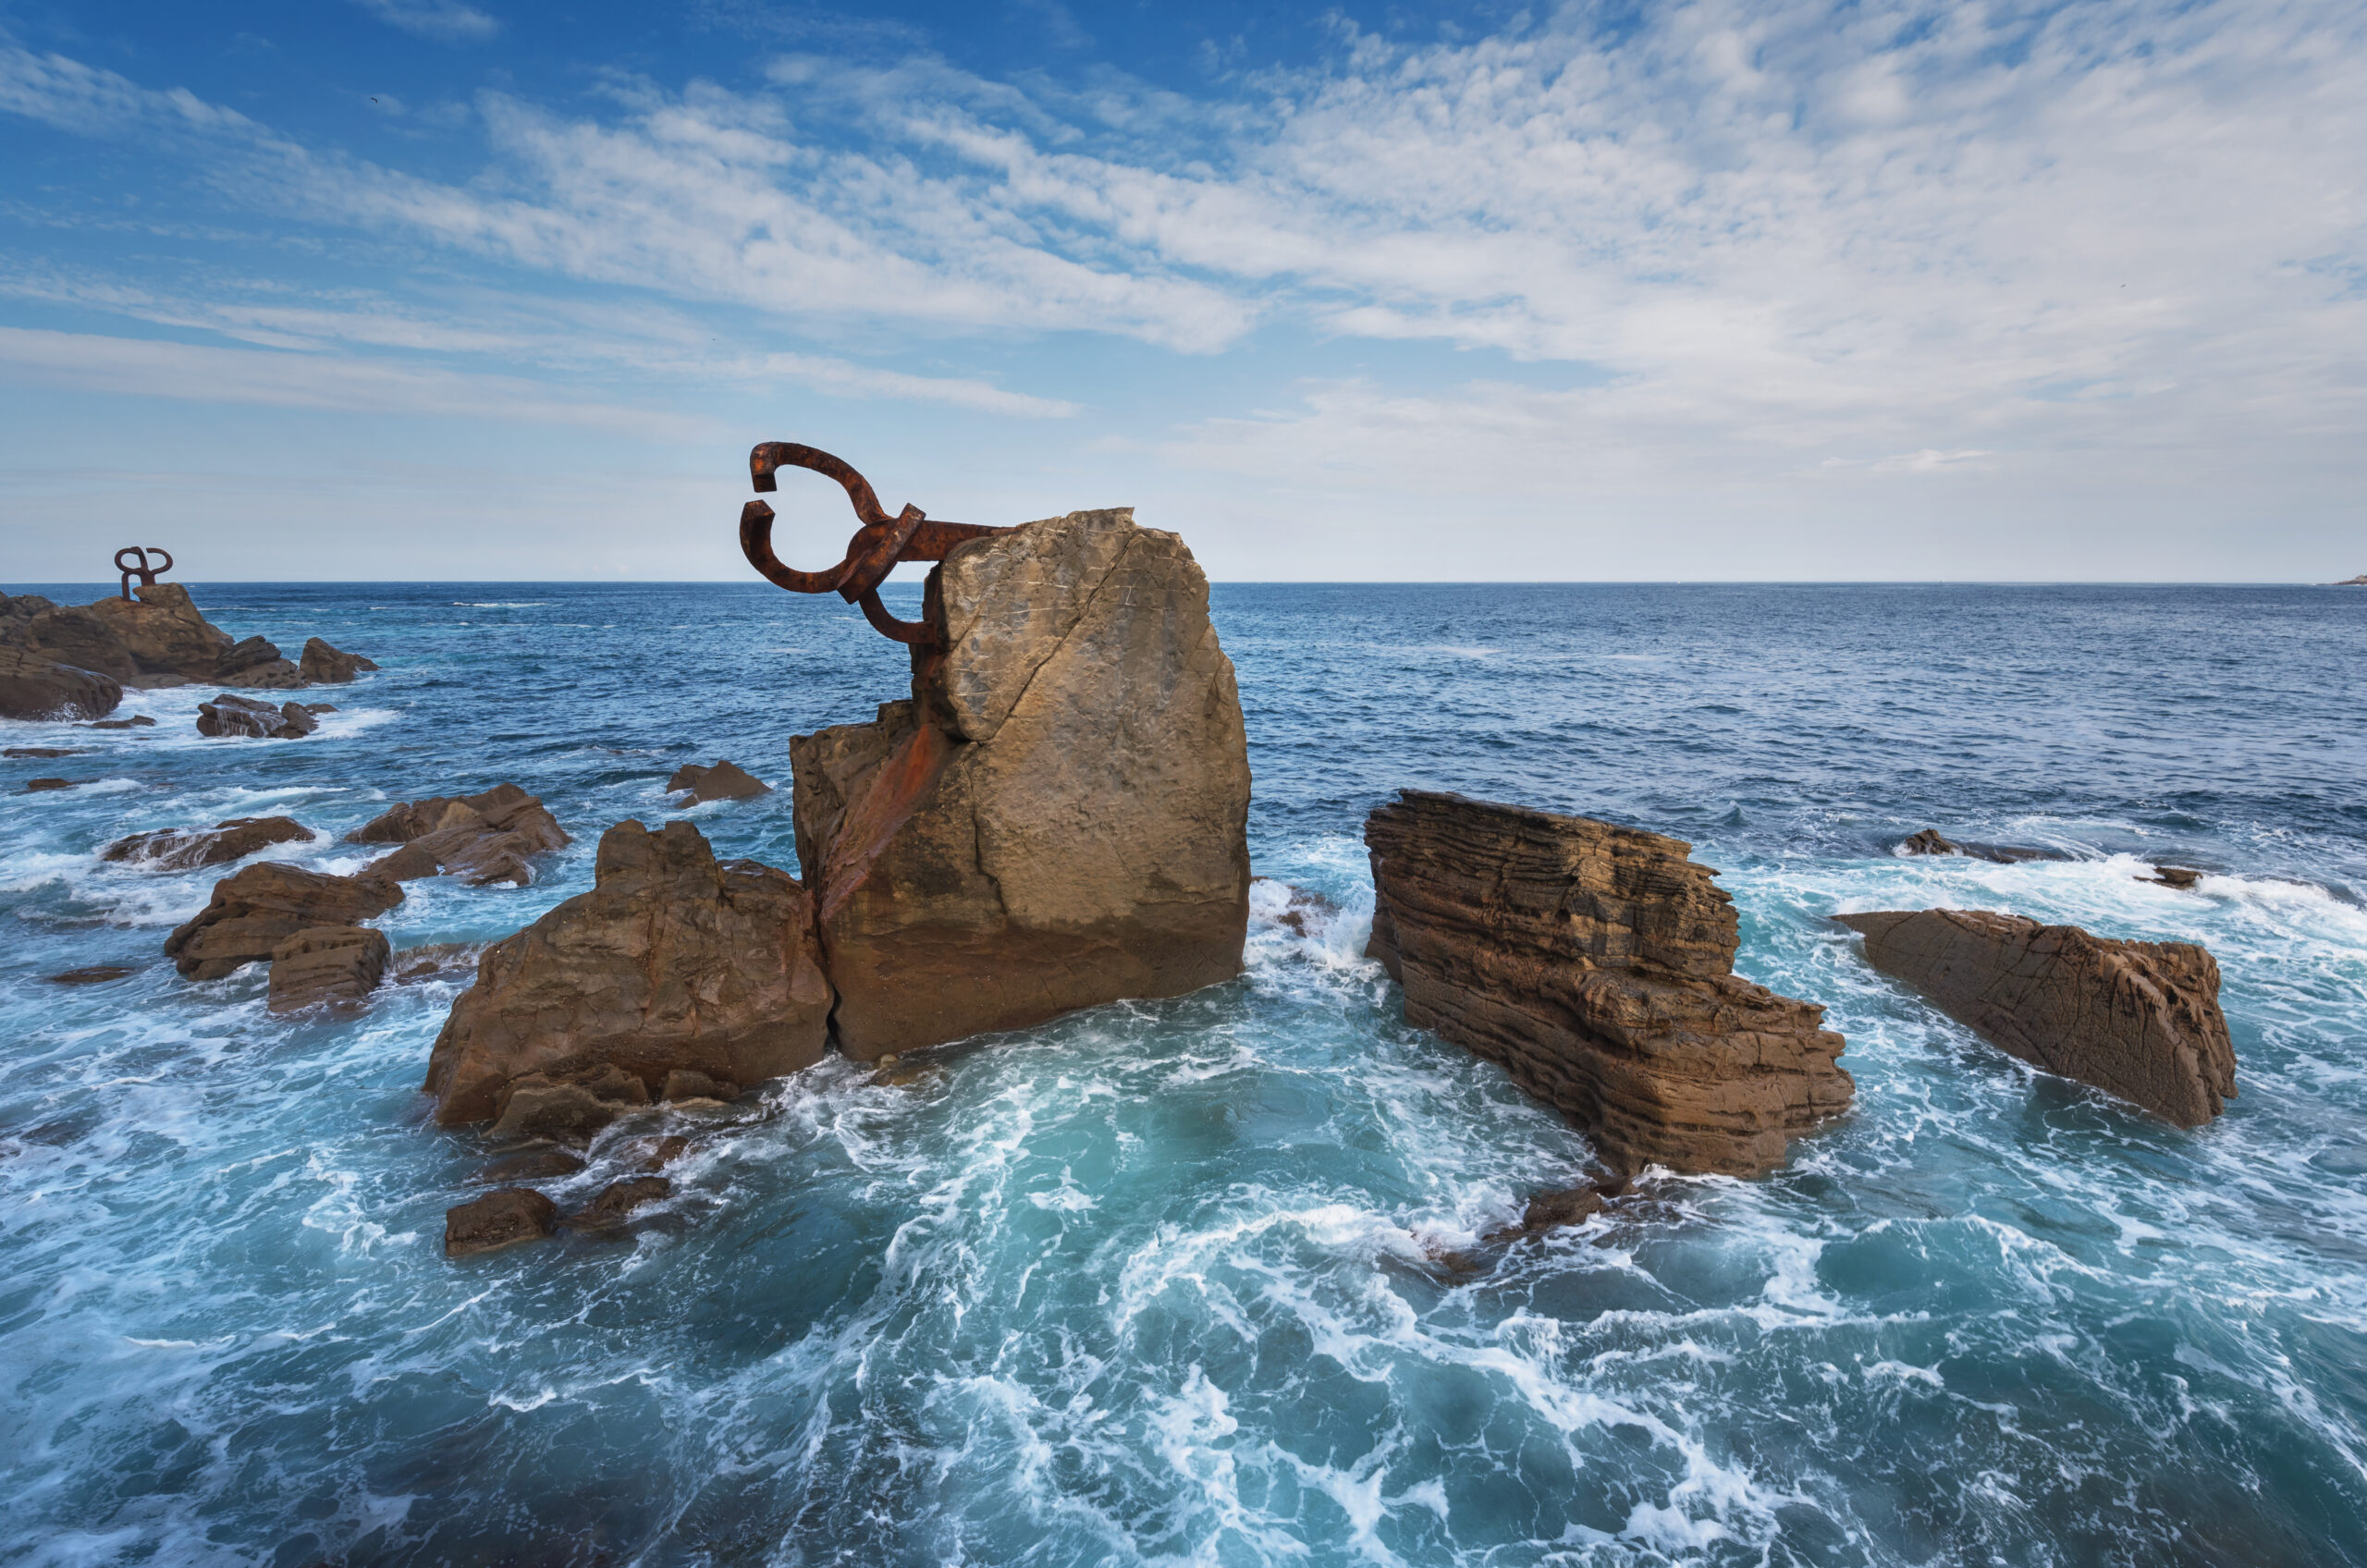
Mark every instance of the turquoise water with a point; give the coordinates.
(1201, 1280)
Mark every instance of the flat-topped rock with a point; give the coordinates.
(33, 685)
(498, 1220)
(1596, 963)
(723, 782)
(1057, 818)
(255, 909)
(2139, 1020)
(327, 963)
(485, 838)
(186, 849)
(673, 962)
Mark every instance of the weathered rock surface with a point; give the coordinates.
(1596, 962)
(255, 909)
(161, 633)
(1928, 843)
(137, 721)
(531, 1165)
(672, 962)
(93, 975)
(227, 715)
(485, 838)
(186, 849)
(327, 963)
(157, 639)
(498, 1220)
(329, 665)
(617, 1201)
(35, 686)
(1058, 818)
(42, 786)
(724, 781)
(2139, 1020)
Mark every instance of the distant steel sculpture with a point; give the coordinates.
(871, 554)
(138, 566)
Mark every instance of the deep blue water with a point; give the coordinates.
(1163, 1283)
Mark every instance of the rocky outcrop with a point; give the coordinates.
(156, 639)
(1928, 843)
(327, 963)
(498, 1220)
(1057, 818)
(330, 667)
(230, 716)
(673, 962)
(34, 686)
(2139, 1020)
(186, 849)
(724, 781)
(256, 909)
(485, 838)
(1596, 962)
(161, 633)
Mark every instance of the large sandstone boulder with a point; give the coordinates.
(2139, 1020)
(1057, 818)
(162, 632)
(485, 838)
(331, 665)
(186, 849)
(33, 685)
(1596, 962)
(255, 909)
(672, 962)
(327, 963)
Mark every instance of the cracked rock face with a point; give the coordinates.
(1596, 963)
(1057, 818)
(2139, 1020)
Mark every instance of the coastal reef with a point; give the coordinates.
(73, 661)
(1057, 816)
(1596, 963)
(2139, 1020)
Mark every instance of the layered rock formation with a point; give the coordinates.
(485, 838)
(327, 963)
(498, 1220)
(230, 716)
(34, 686)
(2139, 1020)
(724, 781)
(1057, 818)
(1596, 962)
(186, 849)
(254, 911)
(671, 963)
(330, 667)
(72, 661)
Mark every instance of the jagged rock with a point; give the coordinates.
(40, 786)
(724, 781)
(137, 721)
(573, 1104)
(186, 849)
(227, 715)
(1058, 816)
(330, 667)
(2174, 876)
(162, 632)
(255, 909)
(498, 1220)
(617, 1201)
(437, 960)
(671, 962)
(487, 838)
(1596, 962)
(2139, 1020)
(533, 1164)
(256, 662)
(1300, 911)
(689, 1086)
(1928, 843)
(35, 686)
(327, 963)
(1551, 1210)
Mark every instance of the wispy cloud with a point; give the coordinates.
(445, 20)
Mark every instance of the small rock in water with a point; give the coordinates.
(1928, 843)
(496, 1220)
(186, 849)
(94, 975)
(617, 1201)
(724, 781)
(327, 963)
(573, 1104)
(1305, 912)
(255, 909)
(42, 752)
(487, 838)
(437, 960)
(231, 715)
(1551, 1210)
(2174, 876)
(40, 786)
(318, 708)
(531, 1165)
(664, 1152)
(137, 721)
(329, 666)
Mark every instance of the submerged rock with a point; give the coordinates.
(617, 1201)
(186, 849)
(327, 963)
(485, 838)
(255, 909)
(672, 962)
(34, 686)
(568, 1104)
(1596, 962)
(531, 1165)
(329, 665)
(43, 752)
(93, 975)
(42, 786)
(137, 721)
(498, 1220)
(2139, 1020)
(1928, 843)
(1058, 817)
(230, 716)
(724, 781)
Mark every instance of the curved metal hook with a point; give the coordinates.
(139, 566)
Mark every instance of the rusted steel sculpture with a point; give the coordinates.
(872, 553)
(139, 565)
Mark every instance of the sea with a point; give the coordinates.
(1207, 1280)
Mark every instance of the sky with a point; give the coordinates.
(473, 290)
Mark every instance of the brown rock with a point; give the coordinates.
(617, 1201)
(724, 781)
(571, 1104)
(2139, 1020)
(256, 662)
(227, 715)
(531, 1165)
(1058, 818)
(1300, 911)
(1928, 843)
(664, 1152)
(137, 721)
(186, 849)
(162, 634)
(1596, 963)
(2174, 876)
(485, 838)
(42, 752)
(40, 786)
(328, 666)
(437, 960)
(35, 686)
(96, 975)
(683, 1085)
(257, 909)
(70, 634)
(498, 1220)
(671, 962)
(327, 963)
(1551, 1210)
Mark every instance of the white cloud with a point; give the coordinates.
(446, 20)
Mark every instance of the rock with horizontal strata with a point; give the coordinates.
(672, 962)
(34, 686)
(2139, 1020)
(1058, 818)
(498, 1220)
(327, 963)
(255, 909)
(1596, 962)
(485, 838)
(186, 849)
